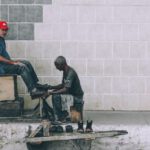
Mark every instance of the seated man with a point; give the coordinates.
(70, 86)
(19, 67)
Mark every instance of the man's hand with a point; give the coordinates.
(18, 63)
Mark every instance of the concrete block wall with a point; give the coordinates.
(106, 41)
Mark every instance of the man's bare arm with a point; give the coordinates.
(11, 62)
(7, 61)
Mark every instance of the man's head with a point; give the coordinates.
(60, 63)
(3, 28)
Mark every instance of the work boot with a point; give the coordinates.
(80, 127)
(89, 126)
(43, 87)
(37, 94)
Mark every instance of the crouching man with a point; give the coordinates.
(68, 93)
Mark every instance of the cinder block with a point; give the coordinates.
(43, 67)
(8, 87)
(95, 67)
(137, 85)
(60, 32)
(104, 14)
(104, 50)
(17, 49)
(147, 82)
(120, 85)
(139, 14)
(79, 65)
(96, 32)
(138, 50)
(9, 1)
(34, 50)
(78, 32)
(69, 49)
(17, 13)
(130, 102)
(4, 12)
(112, 102)
(144, 68)
(51, 49)
(112, 67)
(113, 32)
(127, 2)
(53, 15)
(130, 32)
(43, 1)
(77, 2)
(86, 14)
(68, 14)
(144, 102)
(129, 67)
(86, 50)
(144, 32)
(122, 14)
(26, 32)
(93, 102)
(147, 49)
(121, 49)
(103, 85)
(87, 84)
(34, 13)
(26, 2)
(12, 32)
(46, 34)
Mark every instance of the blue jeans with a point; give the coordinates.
(26, 72)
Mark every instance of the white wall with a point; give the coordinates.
(106, 41)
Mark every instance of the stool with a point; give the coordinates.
(77, 112)
(8, 88)
(11, 105)
(44, 110)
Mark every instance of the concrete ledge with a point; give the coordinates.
(136, 123)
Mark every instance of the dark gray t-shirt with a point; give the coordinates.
(71, 81)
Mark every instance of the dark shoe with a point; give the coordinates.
(89, 126)
(53, 129)
(56, 129)
(37, 94)
(80, 127)
(43, 87)
(69, 129)
(60, 129)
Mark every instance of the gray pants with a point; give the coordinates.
(57, 105)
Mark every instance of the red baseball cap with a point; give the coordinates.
(4, 25)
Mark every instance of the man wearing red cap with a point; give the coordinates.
(19, 67)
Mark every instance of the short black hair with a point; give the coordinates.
(60, 60)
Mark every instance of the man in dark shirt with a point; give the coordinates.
(19, 67)
(70, 85)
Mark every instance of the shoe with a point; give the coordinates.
(80, 127)
(43, 87)
(69, 129)
(56, 129)
(37, 94)
(53, 129)
(89, 126)
(60, 129)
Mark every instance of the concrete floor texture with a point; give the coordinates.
(135, 123)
